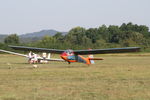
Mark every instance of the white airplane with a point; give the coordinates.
(34, 58)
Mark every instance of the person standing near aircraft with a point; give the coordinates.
(30, 57)
(44, 55)
(35, 59)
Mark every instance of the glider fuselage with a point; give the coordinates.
(69, 56)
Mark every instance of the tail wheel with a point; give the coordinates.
(69, 62)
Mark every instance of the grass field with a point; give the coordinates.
(118, 77)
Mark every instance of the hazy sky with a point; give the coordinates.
(24, 16)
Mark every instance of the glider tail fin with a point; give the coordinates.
(91, 58)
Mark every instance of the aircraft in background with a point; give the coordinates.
(33, 57)
(73, 55)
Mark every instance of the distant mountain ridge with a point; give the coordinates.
(35, 36)
(41, 33)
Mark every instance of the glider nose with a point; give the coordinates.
(64, 56)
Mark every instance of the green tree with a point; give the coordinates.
(58, 36)
(47, 42)
(92, 34)
(135, 28)
(103, 37)
(114, 32)
(76, 36)
(12, 39)
(131, 38)
(104, 32)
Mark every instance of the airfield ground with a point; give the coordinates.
(118, 77)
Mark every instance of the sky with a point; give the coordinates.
(26, 16)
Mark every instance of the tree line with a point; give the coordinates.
(112, 36)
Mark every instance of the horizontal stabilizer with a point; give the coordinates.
(96, 59)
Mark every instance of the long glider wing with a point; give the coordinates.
(80, 52)
(23, 48)
(106, 51)
(14, 53)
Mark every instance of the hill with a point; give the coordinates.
(35, 36)
(40, 33)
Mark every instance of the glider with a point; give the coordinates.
(76, 55)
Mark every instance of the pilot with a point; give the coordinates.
(69, 53)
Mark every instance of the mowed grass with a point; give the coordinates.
(118, 77)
